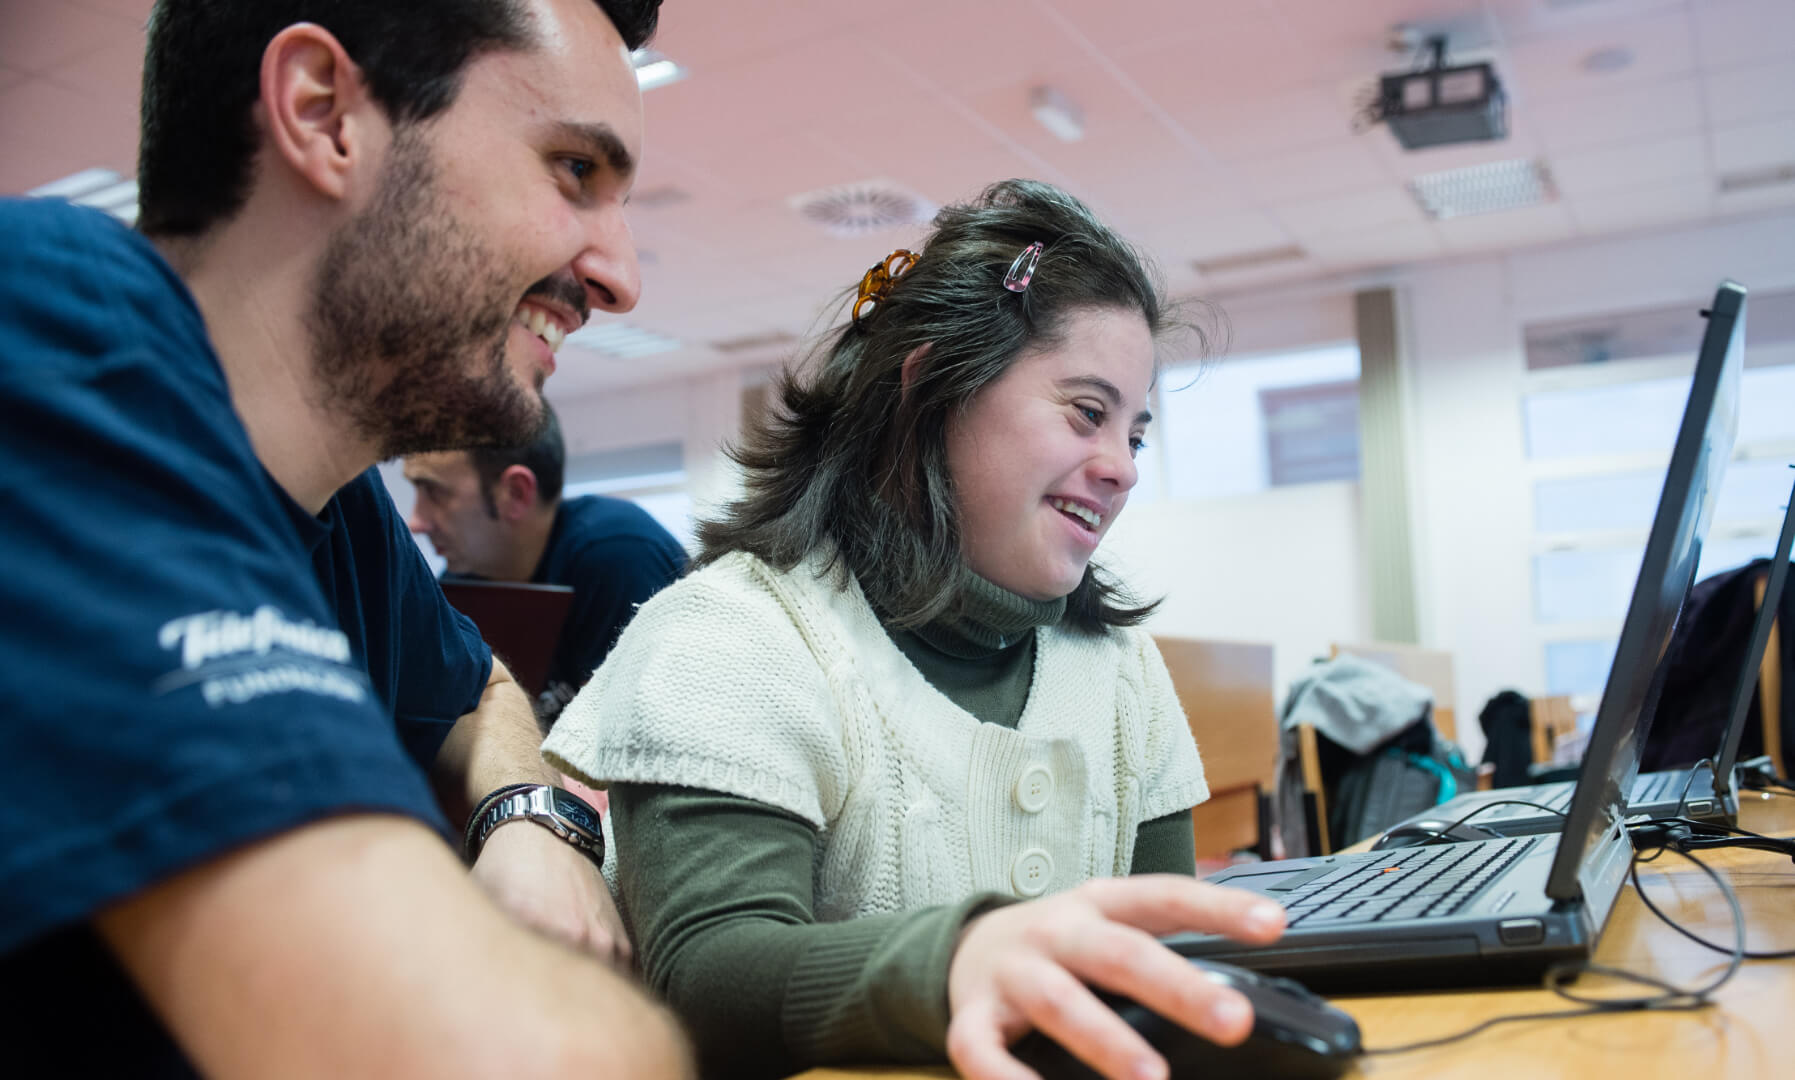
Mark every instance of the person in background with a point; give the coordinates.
(215, 856)
(497, 514)
(882, 767)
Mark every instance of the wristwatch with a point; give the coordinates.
(561, 812)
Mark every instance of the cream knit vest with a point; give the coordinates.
(783, 688)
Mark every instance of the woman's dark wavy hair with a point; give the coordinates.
(846, 456)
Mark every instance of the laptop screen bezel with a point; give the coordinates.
(1672, 552)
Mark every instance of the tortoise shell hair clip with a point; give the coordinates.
(876, 284)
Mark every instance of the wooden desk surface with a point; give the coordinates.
(1750, 1031)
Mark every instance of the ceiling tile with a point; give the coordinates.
(1352, 212)
(1117, 27)
(1252, 126)
(1635, 164)
(1033, 49)
(40, 34)
(1327, 168)
(67, 126)
(1508, 229)
(1387, 244)
(1551, 68)
(1754, 146)
(112, 73)
(1751, 93)
(11, 77)
(1182, 239)
(1738, 32)
(1755, 200)
(1657, 109)
(1688, 199)
(1523, 19)
(135, 12)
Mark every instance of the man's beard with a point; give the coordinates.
(409, 318)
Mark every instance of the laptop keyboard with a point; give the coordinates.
(1426, 882)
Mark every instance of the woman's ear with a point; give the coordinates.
(907, 374)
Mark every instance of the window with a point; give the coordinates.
(1248, 423)
(653, 477)
(1605, 395)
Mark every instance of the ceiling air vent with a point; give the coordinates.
(853, 209)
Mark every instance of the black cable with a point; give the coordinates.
(1439, 836)
(1683, 799)
(1672, 999)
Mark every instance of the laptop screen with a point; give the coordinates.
(1740, 702)
(1673, 549)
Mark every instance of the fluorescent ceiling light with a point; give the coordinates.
(654, 69)
(101, 189)
(621, 340)
(1483, 189)
(1056, 112)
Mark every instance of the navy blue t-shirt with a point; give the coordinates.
(191, 661)
(615, 556)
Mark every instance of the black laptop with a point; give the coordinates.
(1686, 792)
(1505, 910)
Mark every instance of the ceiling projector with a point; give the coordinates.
(1439, 105)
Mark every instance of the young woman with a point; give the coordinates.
(874, 764)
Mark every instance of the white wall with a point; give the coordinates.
(1283, 567)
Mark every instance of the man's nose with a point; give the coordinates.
(607, 267)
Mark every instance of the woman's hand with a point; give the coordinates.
(1026, 966)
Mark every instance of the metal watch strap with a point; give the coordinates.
(561, 812)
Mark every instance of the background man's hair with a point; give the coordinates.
(202, 75)
(545, 455)
(850, 460)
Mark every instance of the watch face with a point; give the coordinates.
(576, 812)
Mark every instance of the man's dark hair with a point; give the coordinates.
(847, 456)
(545, 455)
(202, 77)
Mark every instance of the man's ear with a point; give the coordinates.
(515, 492)
(907, 374)
(315, 107)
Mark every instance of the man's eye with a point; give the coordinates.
(579, 168)
(1094, 415)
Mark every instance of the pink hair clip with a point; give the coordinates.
(1022, 271)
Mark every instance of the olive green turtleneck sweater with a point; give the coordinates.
(718, 889)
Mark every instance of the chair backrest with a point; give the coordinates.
(1226, 690)
(1770, 685)
(1552, 718)
(1431, 668)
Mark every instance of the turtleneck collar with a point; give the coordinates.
(988, 619)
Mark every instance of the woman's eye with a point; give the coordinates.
(1136, 445)
(1094, 415)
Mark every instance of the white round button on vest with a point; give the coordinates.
(1034, 790)
(1032, 872)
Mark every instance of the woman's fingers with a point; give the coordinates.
(1126, 961)
(1061, 1007)
(1172, 904)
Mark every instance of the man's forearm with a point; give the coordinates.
(496, 744)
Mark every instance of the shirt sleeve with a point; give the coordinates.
(1165, 845)
(175, 685)
(427, 659)
(719, 893)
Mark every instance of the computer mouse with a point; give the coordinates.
(1295, 1034)
(1425, 831)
